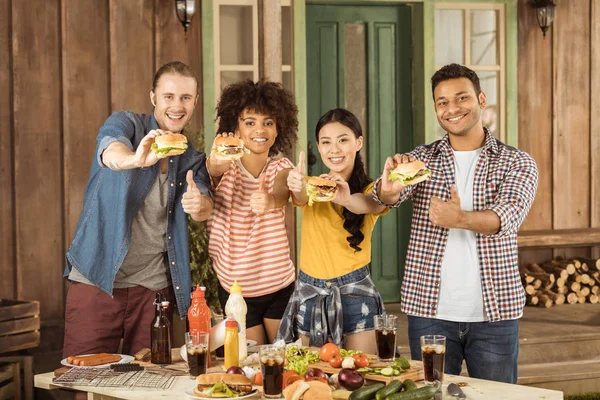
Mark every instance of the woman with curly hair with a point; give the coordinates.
(335, 298)
(248, 240)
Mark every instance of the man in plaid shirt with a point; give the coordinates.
(462, 278)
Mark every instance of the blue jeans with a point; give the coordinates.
(490, 349)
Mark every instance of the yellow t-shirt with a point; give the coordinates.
(325, 253)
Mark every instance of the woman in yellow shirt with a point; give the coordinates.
(334, 298)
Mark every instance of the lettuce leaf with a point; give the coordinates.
(166, 150)
(406, 180)
(312, 194)
(220, 387)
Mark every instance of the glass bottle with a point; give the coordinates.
(161, 333)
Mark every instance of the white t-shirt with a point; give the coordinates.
(461, 298)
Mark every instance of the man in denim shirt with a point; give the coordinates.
(131, 241)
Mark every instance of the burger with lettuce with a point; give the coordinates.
(171, 144)
(320, 189)
(410, 173)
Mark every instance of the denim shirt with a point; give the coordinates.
(113, 198)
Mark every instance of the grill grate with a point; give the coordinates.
(104, 377)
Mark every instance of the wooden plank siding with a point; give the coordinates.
(7, 214)
(37, 135)
(558, 82)
(594, 120)
(571, 114)
(535, 118)
(63, 76)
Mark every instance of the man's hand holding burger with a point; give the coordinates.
(389, 191)
(194, 203)
(119, 157)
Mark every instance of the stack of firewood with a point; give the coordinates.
(562, 281)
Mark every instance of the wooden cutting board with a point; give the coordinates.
(415, 372)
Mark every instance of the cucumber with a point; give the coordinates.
(409, 385)
(424, 393)
(393, 387)
(387, 371)
(366, 392)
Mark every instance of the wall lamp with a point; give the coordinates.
(185, 11)
(544, 10)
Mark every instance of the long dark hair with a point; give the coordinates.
(358, 179)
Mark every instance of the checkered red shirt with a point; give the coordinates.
(506, 183)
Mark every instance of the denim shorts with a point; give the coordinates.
(358, 311)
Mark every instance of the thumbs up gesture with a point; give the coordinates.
(295, 179)
(446, 214)
(194, 202)
(262, 201)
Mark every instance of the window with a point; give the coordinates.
(472, 34)
(237, 50)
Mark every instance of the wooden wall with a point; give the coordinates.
(70, 64)
(559, 82)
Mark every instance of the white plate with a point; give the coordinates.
(124, 360)
(190, 393)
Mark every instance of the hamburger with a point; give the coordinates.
(171, 144)
(320, 189)
(311, 390)
(410, 173)
(211, 386)
(229, 148)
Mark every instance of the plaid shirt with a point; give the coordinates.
(506, 183)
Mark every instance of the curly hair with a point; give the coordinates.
(264, 97)
(359, 179)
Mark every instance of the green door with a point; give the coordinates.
(358, 57)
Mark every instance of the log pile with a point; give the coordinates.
(562, 281)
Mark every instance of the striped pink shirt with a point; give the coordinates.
(252, 249)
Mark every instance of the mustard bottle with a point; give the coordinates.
(232, 353)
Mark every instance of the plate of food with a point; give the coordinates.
(100, 360)
(219, 385)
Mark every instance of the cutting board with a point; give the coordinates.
(415, 372)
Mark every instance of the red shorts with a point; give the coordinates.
(96, 322)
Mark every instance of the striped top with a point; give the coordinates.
(252, 249)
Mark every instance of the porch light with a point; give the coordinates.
(544, 10)
(185, 11)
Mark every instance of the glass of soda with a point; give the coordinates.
(196, 345)
(386, 326)
(271, 364)
(433, 349)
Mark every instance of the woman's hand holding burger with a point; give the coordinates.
(343, 194)
(219, 161)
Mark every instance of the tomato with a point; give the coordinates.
(361, 360)
(328, 351)
(258, 379)
(291, 379)
(336, 361)
(288, 374)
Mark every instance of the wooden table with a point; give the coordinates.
(477, 389)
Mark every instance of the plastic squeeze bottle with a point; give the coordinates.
(236, 308)
(199, 312)
(231, 344)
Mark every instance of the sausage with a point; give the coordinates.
(93, 359)
(100, 359)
